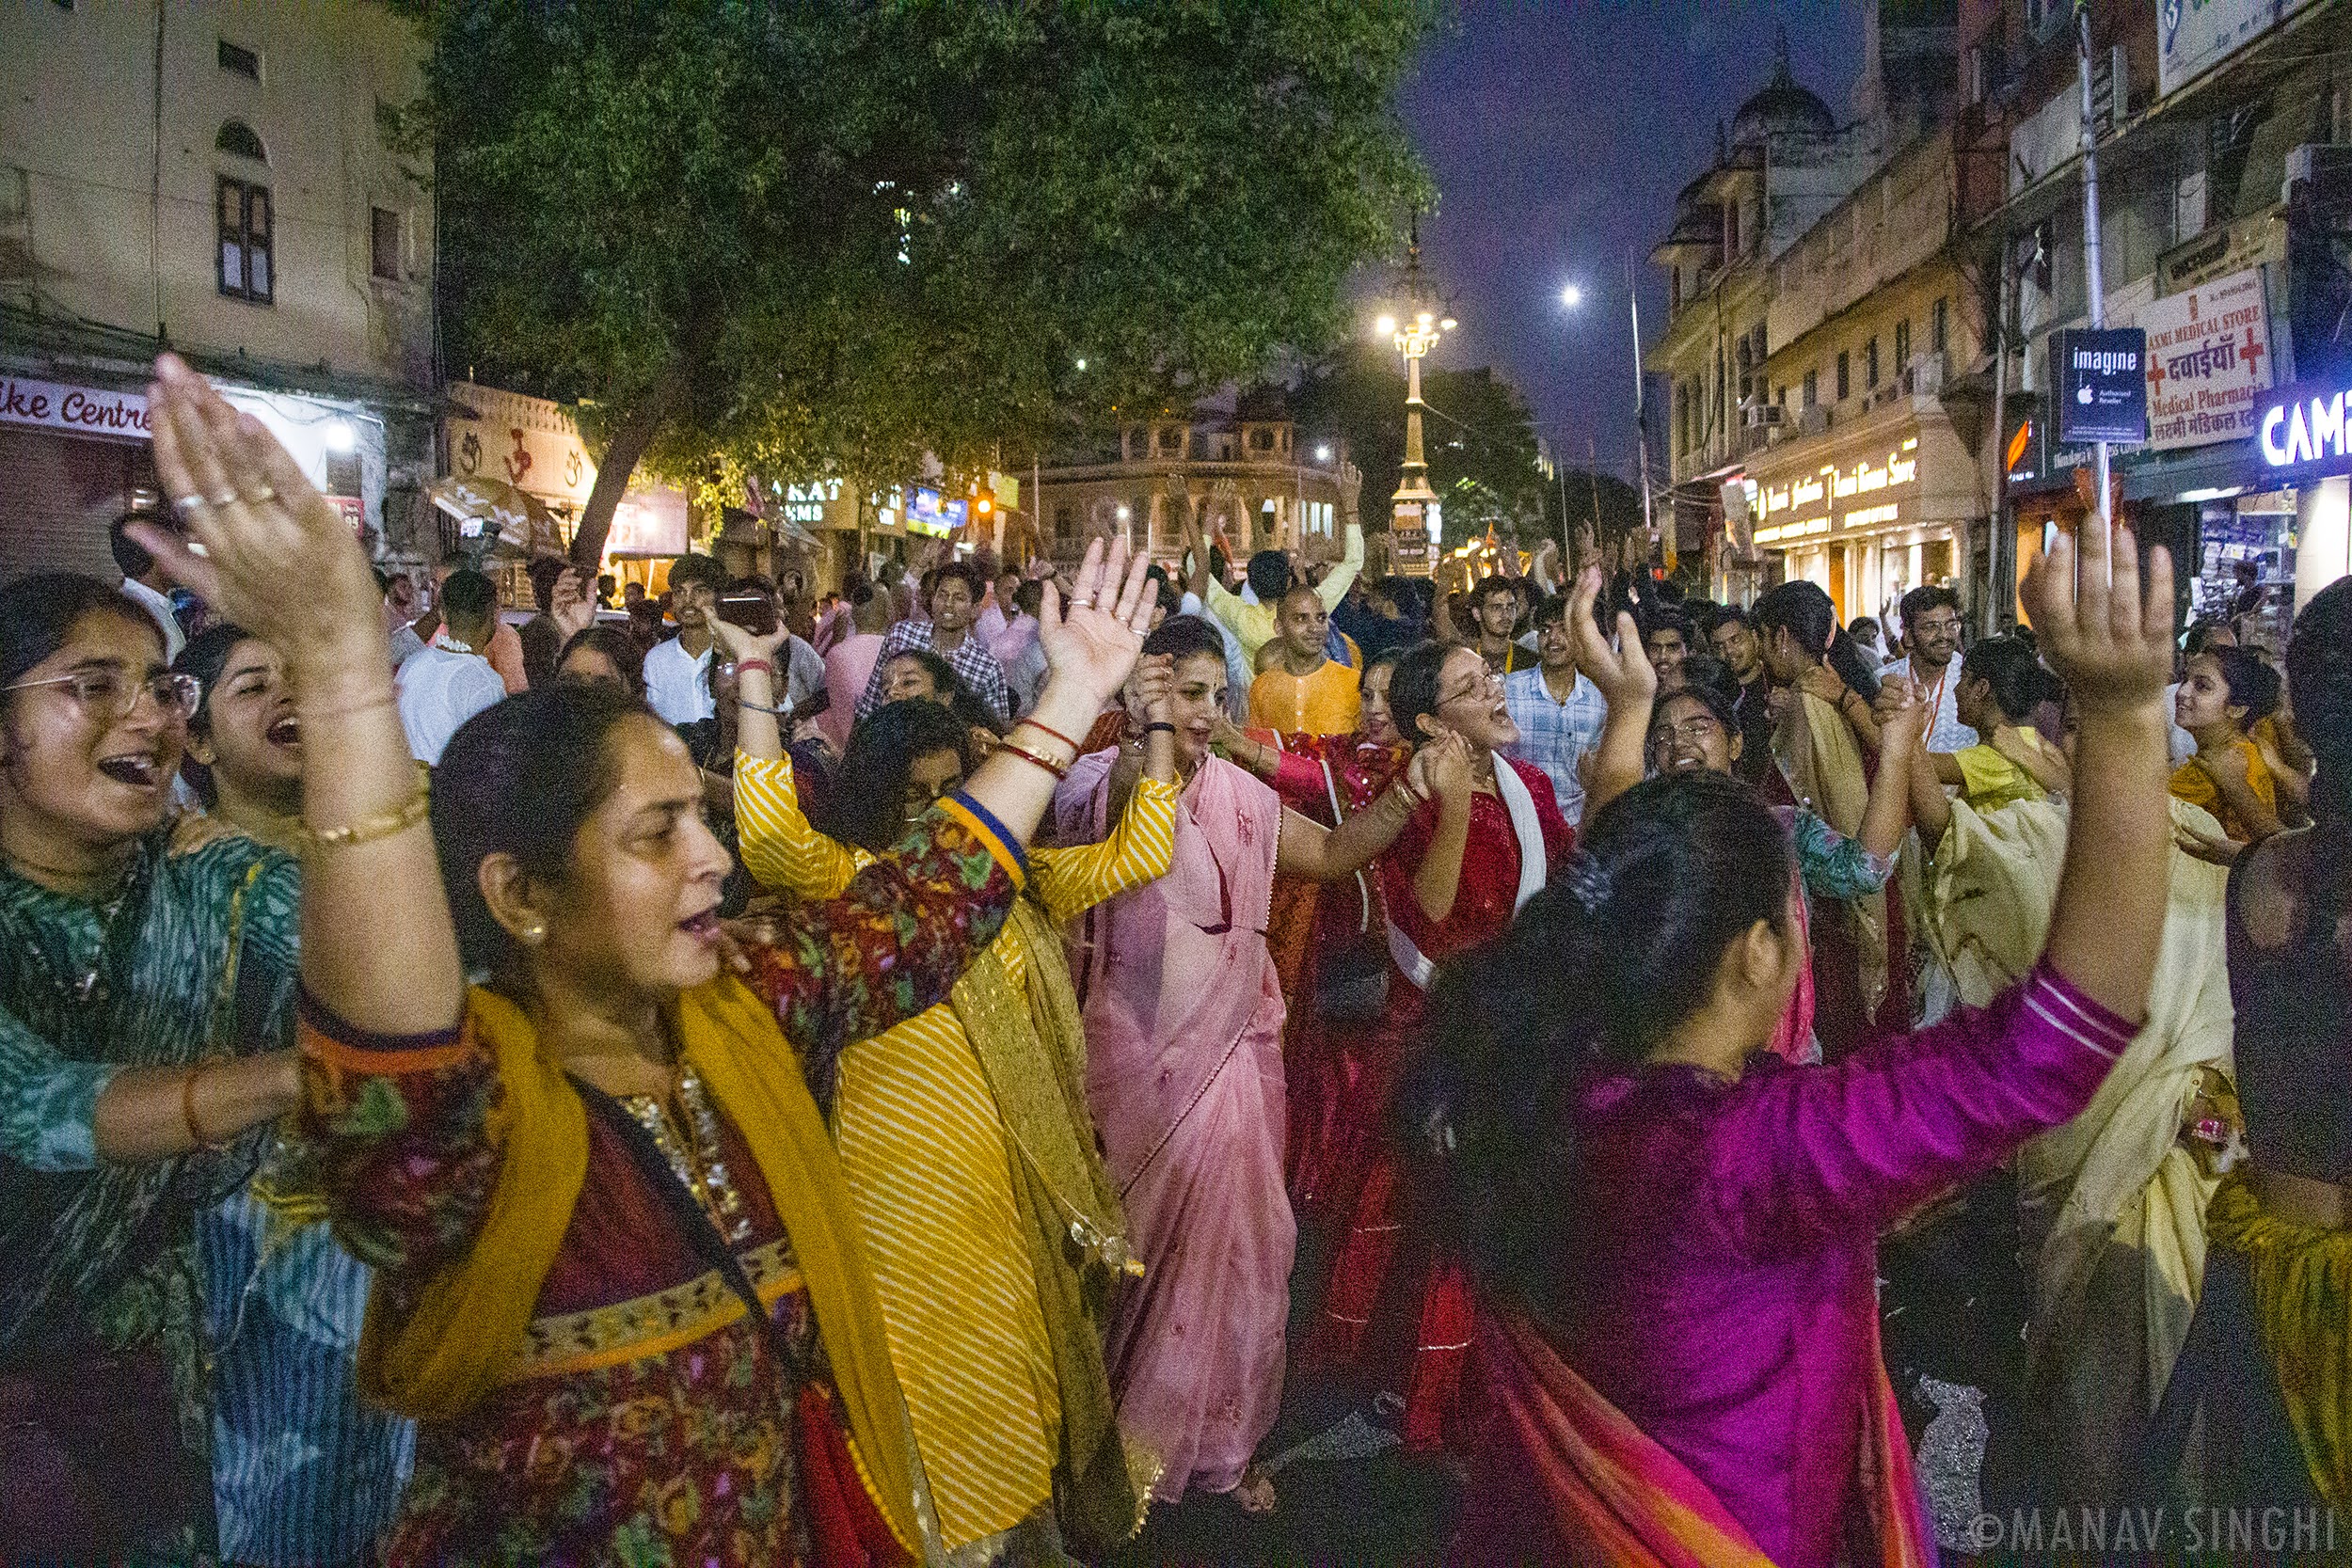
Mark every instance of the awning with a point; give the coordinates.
(516, 523)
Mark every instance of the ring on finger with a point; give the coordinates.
(261, 493)
(188, 506)
(226, 498)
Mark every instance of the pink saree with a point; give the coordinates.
(1184, 1024)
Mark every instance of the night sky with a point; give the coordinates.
(1558, 135)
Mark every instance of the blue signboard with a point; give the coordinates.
(2101, 381)
(2305, 430)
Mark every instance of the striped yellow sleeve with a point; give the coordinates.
(1139, 850)
(780, 846)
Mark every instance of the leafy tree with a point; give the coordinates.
(789, 238)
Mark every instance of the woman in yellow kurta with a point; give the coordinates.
(993, 1233)
(2224, 690)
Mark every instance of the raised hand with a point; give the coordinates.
(1446, 767)
(1092, 644)
(1151, 688)
(573, 604)
(740, 642)
(1902, 718)
(2108, 635)
(1623, 674)
(277, 559)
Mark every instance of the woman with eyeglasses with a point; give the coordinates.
(1396, 1312)
(964, 1135)
(1185, 1076)
(146, 974)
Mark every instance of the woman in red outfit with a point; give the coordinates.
(1397, 1311)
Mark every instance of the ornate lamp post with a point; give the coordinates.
(1413, 519)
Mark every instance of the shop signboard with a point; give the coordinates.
(84, 410)
(2300, 434)
(2101, 384)
(928, 511)
(2208, 361)
(530, 443)
(650, 521)
(2194, 36)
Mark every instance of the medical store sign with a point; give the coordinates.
(2208, 361)
(2301, 430)
(88, 410)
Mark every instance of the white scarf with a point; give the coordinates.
(1530, 833)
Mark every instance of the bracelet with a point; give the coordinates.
(747, 666)
(1056, 734)
(187, 1105)
(1154, 727)
(1026, 756)
(384, 824)
(743, 702)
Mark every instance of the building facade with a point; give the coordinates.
(1245, 472)
(215, 178)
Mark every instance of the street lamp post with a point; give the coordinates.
(1413, 511)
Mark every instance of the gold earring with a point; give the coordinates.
(535, 932)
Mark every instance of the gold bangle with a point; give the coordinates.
(384, 824)
(187, 1105)
(1007, 748)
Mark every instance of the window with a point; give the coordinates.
(1844, 375)
(1870, 364)
(384, 242)
(1940, 327)
(1747, 376)
(1902, 346)
(237, 139)
(240, 62)
(245, 261)
(1812, 387)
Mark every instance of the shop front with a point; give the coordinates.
(1870, 515)
(74, 456)
(2303, 453)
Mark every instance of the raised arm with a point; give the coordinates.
(782, 848)
(1337, 581)
(1621, 757)
(1886, 816)
(1320, 854)
(1438, 879)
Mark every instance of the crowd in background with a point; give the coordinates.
(753, 1075)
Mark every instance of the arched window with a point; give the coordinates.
(236, 137)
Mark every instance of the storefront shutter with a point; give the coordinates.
(59, 496)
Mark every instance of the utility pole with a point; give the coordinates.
(1641, 416)
(2093, 284)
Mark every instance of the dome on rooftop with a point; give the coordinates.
(1781, 108)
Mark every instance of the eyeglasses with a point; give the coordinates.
(110, 694)
(1486, 683)
(1695, 732)
(1936, 628)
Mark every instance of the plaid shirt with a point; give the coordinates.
(1554, 735)
(972, 663)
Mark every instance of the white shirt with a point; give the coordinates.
(804, 671)
(677, 684)
(440, 690)
(1947, 734)
(158, 605)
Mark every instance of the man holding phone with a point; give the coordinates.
(678, 671)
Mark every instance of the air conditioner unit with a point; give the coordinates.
(1924, 376)
(2323, 170)
(1762, 416)
(1814, 421)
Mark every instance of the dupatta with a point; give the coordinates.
(453, 1346)
(1818, 754)
(1612, 1496)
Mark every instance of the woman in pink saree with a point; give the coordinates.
(1184, 1024)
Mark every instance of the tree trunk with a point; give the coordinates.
(619, 460)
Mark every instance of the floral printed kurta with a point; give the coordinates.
(643, 1419)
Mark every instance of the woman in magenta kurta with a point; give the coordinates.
(1675, 1231)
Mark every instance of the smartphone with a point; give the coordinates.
(755, 613)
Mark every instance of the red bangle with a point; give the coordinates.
(1056, 734)
(1029, 756)
(749, 664)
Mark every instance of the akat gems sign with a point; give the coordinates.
(2208, 361)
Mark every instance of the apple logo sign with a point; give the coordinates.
(2082, 394)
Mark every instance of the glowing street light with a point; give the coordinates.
(1323, 453)
(1572, 296)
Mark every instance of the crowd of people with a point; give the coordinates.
(745, 1076)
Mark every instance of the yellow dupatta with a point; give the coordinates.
(452, 1347)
